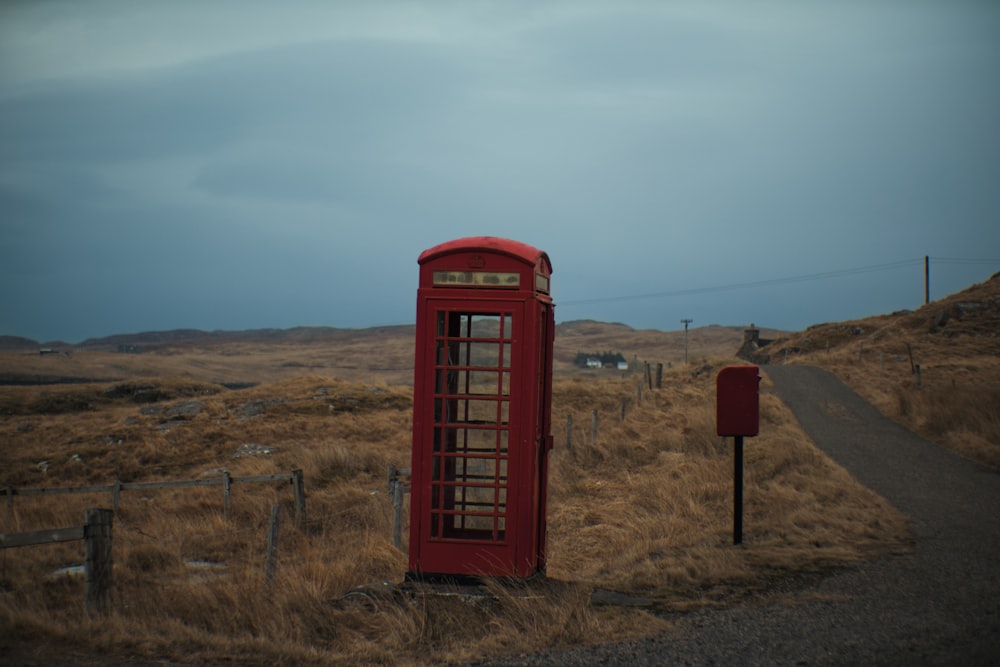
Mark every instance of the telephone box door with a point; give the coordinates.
(468, 521)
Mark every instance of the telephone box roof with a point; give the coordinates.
(516, 249)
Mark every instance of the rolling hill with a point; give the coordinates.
(382, 354)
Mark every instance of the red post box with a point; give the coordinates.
(738, 401)
(738, 415)
(481, 410)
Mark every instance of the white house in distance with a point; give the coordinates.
(593, 362)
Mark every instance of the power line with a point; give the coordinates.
(758, 283)
(964, 260)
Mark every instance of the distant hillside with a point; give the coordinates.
(648, 344)
(935, 370)
(383, 354)
(966, 319)
(195, 336)
(18, 343)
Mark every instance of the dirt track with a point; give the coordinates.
(939, 605)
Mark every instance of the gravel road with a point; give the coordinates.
(939, 605)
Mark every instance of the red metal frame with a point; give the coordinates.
(482, 410)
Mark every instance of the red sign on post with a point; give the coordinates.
(738, 401)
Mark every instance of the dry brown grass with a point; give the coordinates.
(376, 356)
(955, 341)
(646, 509)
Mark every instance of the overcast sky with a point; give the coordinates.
(235, 165)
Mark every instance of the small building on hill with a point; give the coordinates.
(752, 344)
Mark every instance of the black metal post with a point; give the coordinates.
(738, 491)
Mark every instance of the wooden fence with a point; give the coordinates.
(399, 483)
(96, 533)
(225, 481)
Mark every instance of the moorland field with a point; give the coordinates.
(645, 509)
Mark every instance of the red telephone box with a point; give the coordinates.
(481, 410)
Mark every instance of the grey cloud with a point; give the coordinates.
(645, 146)
(352, 89)
(126, 118)
(654, 46)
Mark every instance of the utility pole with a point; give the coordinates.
(686, 323)
(927, 280)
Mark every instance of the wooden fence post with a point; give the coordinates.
(397, 514)
(638, 388)
(569, 432)
(390, 477)
(227, 485)
(659, 376)
(624, 403)
(593, 428)
(299, 489)
(98, 534)
(396, 490)
(271, 565)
